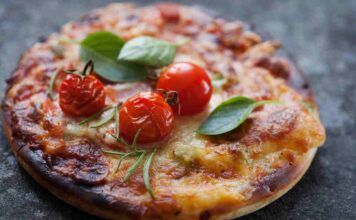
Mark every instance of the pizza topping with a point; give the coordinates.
(192, 84)
(186, 153)
(103, 48)
(82, 95)
(221, 167)
(229, 115)
(169, 11)
(148, 51)
(51, 84)
(278, 67)
(139, 154)
(149, 112)
(118, 61)
(95, 116)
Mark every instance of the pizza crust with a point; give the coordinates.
(96, 200)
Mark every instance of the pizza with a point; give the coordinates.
(161, 112)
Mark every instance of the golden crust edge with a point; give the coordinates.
(245, 210)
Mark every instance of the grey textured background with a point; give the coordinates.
(320, 34)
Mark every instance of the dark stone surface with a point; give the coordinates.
(320, 34)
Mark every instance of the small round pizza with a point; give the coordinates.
(161, 112)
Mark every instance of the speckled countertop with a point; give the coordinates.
(321, 36)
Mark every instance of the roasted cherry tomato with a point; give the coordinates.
(81, 95)
(149, 113)
(192, 84)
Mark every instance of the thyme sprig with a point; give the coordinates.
(139, 155)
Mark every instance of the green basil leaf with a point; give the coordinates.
(104, 43)
(229, 115)
(148, 51)
(103, 48)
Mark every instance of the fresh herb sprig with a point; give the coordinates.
(51, 83)
(94, 116)
(139, 155)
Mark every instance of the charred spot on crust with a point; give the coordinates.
(205, 215)
(169, 11)
(83, 162)
(24, 122)
(271, 183)
(279, 67)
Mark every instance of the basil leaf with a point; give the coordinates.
(103, 48)
(104, 43)
(148, 51)
(229, 115)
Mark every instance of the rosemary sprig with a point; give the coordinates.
(51, 83)
(117, 118)
(94, 116)
(122, 158)
(139, 154)
(118, 139)
(134, 166)
(118, 153)
(134, 142)
(146, 173)
(104, 120)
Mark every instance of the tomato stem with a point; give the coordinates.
(88, 68)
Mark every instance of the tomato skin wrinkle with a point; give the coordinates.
(149, 112)
(192, 84)
(81, 96)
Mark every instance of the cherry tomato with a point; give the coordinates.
(192, 84)
(149, 112)
(81, 96)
